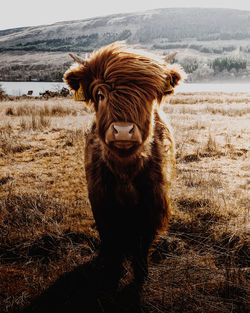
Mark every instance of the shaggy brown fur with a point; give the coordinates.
(128, 188)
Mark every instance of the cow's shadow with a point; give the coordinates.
(85, 289)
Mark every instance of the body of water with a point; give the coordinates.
(214, 87)
(20, 88)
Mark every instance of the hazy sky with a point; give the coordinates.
(18, 13)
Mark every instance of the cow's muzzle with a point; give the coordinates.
(123, 135)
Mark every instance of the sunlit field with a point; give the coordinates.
(47, 229)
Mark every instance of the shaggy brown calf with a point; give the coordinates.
(129, 153)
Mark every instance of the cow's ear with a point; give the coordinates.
(75, 80)
(174, 75)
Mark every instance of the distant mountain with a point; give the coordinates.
(203, 34)
(149, 27)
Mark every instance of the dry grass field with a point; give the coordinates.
(46, 226)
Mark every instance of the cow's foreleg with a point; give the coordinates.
(140, 262)
(112, 264)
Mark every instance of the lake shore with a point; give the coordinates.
(35, 88)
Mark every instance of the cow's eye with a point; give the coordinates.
(100, 97)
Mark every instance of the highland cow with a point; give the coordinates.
(129, 155)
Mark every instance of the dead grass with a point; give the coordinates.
(9, 142)
(210, 97)
(42, 110)
(47, 229)
(35, 123)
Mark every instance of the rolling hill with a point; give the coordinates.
(201, 33)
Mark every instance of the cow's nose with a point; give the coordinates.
(123, 132)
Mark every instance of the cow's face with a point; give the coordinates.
(123, 118)
(123, 88)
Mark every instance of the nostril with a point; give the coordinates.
(115, 130)
(131, 130)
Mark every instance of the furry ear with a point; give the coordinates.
(175, 74)
(73, 77)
